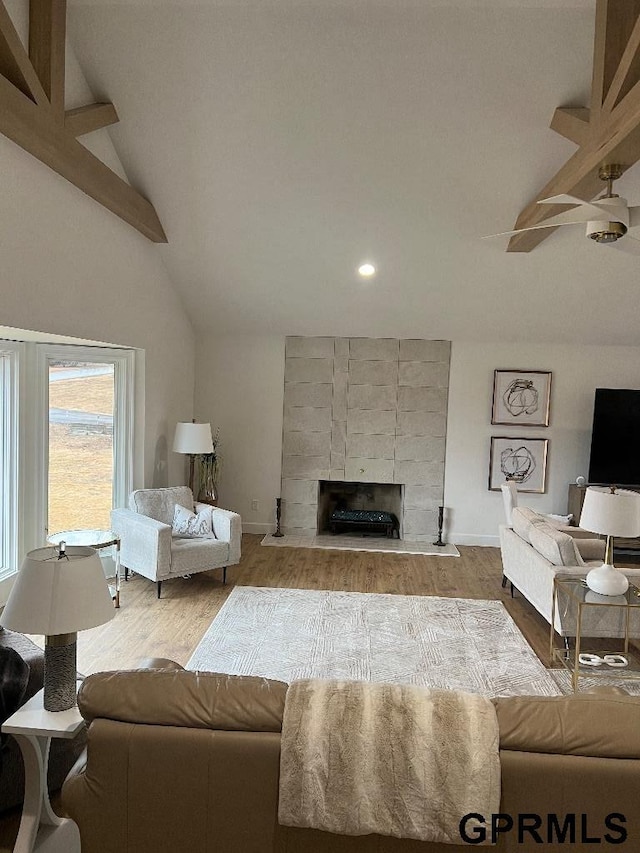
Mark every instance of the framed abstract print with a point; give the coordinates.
(521, 397)
(523, 460)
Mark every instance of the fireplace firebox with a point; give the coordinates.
(368, 508)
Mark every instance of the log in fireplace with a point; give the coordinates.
(368, 508)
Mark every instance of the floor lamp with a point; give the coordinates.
(192, 439)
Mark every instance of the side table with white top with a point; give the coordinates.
(97, 539)
(33, 728)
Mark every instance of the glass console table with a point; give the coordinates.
(97, 539)
(598, 614)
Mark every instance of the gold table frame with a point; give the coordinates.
(576, 591)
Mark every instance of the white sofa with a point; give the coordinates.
(534, 552)
(148, 547)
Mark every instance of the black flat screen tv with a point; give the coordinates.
(615, 440)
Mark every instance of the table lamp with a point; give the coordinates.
(192, 439)
(58, 592)
(611, 512)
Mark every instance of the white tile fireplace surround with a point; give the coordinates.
(365, 410)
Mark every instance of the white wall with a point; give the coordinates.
(474, 512)
(240, 386)
(71, 267)
(240, 389)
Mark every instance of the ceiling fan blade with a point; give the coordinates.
(613, 212)
(616, 206)
(634, 217)
(569, 217)
(563, 198)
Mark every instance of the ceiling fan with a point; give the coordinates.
(608, 217)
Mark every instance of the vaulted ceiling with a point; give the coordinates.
(283, 143)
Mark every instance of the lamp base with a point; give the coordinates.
(60, 672)
(607, 580)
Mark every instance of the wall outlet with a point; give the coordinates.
(255, 506)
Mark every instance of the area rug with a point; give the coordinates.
(344, 542)
(449, 643)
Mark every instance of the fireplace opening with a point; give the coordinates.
(368, 509)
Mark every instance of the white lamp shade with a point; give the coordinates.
(193, 438)
(611, 513)
(58, 596)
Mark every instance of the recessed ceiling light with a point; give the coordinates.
(367, 270)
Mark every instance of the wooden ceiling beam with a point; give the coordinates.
(608, 133)
(32, 115)
(615, 21)
(87, 119)
(628, 71)
(35, 131)
(15, 65)
(47, 34)
(619, 143)
(572, 123)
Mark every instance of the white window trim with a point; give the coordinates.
(124, 429)
(11, 447)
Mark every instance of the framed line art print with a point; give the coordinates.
(523, 460)
(521, 397)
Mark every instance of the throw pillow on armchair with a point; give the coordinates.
(189, 525)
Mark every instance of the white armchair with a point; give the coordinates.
(148, 547)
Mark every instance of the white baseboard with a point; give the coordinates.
(475, 539)
(257, 527)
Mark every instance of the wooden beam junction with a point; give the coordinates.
(607, 132)
(32, 115)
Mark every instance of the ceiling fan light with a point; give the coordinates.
(605, 237)
(606, 232)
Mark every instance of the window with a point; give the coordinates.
(86, 409)
(80, 446)
(66, 442)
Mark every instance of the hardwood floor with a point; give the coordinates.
(172, 626)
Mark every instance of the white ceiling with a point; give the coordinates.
(283, 143)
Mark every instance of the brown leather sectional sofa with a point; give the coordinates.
(188, 762)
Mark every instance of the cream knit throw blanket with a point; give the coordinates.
(392, 759)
